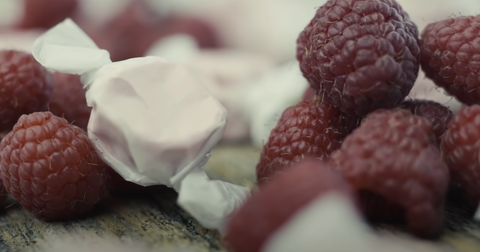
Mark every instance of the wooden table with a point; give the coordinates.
(154, 220)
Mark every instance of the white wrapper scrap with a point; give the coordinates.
(330, 224)
(152, 120)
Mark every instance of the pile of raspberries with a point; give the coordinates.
(359, 134)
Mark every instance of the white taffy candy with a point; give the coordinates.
(269, 95)
(226, 73)
(152, 120)
(330, 224)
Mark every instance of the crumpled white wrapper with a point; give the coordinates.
(226, 73)
(330, 224)
(152, 120)
(269, 95)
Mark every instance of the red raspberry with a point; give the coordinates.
(275, 203)
(309, 128)
(437, 114)
(360, 55)
(450, 56)
(51, 168)
(68, 100)
(46, 13)
(132, 32)
(393, 155)
(25, 87)
(461, 150)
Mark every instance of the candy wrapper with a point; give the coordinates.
(331, 224)
(152, 121)
(226, 73)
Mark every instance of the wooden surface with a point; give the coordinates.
(153, 219)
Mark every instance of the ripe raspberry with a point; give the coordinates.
(50, 167)
(275, 203)
(360, 55)
(437, 114)
(393, 155)
(309, 128)
(68, 100)
(450, 56)
(25, 87)
(461, 150)
(133, 31)
(46, 13)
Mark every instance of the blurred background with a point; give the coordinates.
(233, 44)
(129, 28)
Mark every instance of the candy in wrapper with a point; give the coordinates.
(331, 224)
(226, 73)
(152, 120)
(269, 95)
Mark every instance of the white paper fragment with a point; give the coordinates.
(180, 48)
(66, 48)
(330, 224)
(153, 121)
(270, 94)
(11, 11)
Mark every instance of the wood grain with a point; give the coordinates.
(153, 219)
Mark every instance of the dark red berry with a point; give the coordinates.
(450, 56)
(461, 150)
(360, 55)
(51, 168)
(46, 13)
(68, 100)
(437, 114)
(25, 87)
(393, 155)
(309, 128)
(269, 208)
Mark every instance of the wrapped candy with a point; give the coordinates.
(21, 40)
(152, 120)
(227, 73)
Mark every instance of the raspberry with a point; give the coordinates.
(51, 168)
(437, 114)
(360, 55)
(309, 128)
(46, 13)
(461, 148)
(269, 208)
(68, 100)
(132, 32)
(393, 155)
(25, 86)
(450, 56)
